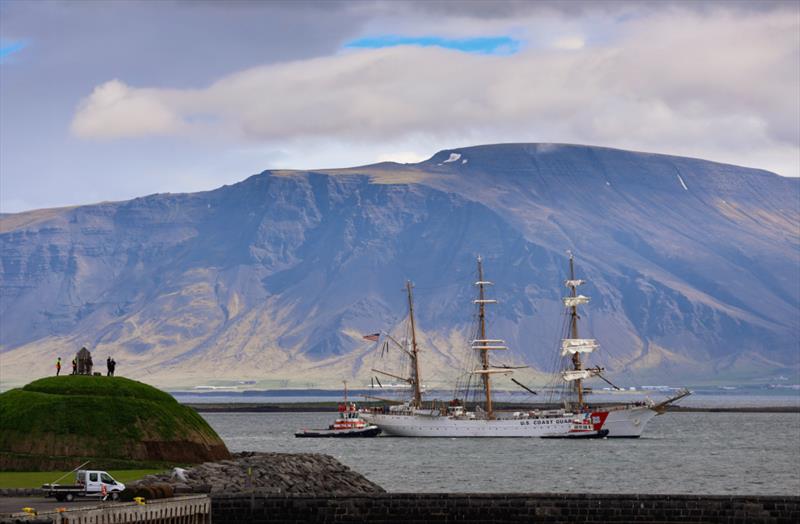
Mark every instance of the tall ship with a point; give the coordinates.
(452, 419)
(623, 420)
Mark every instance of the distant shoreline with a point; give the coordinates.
(327, 407)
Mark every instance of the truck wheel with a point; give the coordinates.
(60, 497)
(114, 495)
(69, 497)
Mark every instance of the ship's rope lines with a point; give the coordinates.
(604, 356)
(466, 385)
(556, 386)
(465, 377)
(388, 357)
(425, 289)
(607, 356)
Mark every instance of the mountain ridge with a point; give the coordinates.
(290, 266)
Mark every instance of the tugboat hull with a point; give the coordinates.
(369, 431)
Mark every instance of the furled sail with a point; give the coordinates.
(489, 343)
(575, 374)
(574, 282)
(577, 345)
(575, 301)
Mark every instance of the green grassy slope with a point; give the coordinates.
(98, 387)
(88, 406)
(108, 417)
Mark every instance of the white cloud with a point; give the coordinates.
(115, 110)
(569, 43)
(714, 84)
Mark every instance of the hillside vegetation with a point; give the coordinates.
(112, 421)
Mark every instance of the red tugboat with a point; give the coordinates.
(349, 424)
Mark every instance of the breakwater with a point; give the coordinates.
(295, 474)
(504, 507)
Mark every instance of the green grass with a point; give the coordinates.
(88, 416)
(34, 479)
(85, 385)
(118, 408)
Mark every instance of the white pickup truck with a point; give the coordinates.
(88, 483)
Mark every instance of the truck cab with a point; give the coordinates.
(93, 481)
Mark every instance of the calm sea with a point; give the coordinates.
(709, 453)
(705, 398)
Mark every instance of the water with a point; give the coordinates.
(701, 453)
(700, 398)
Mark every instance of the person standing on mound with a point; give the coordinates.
(58, 366)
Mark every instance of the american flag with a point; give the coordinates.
(373, 337)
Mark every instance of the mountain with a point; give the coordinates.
(693, 269)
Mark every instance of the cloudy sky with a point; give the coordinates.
(112, 100)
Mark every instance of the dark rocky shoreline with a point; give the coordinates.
(294, 474)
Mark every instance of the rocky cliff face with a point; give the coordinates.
(692, 269)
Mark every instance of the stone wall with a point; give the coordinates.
(551, 508)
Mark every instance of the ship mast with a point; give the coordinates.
(574, 346)
(487, 384)
(576, 357)
(417, 402)
(484, 345)
(414, 380)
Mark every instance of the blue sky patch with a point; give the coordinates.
(9, 49)
(486, 45)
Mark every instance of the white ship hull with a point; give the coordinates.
(410, 425)
(626, 421)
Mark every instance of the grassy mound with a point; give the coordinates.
(110, 420)
(84, 385)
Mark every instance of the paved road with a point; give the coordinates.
(41, 504)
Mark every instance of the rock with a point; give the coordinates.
(178, 474)
(296, 474)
